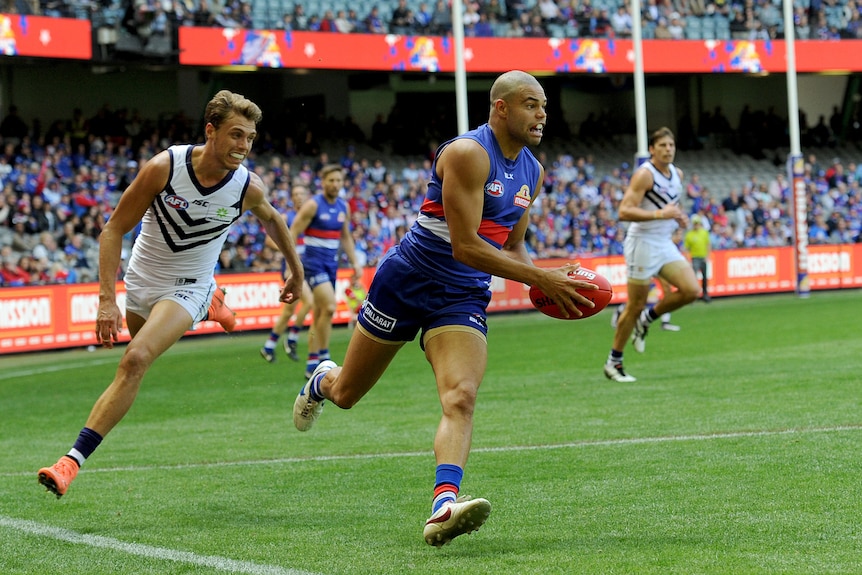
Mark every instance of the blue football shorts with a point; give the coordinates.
(319, 271)
(402, 300)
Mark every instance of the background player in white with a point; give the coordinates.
(186, 198)
(651, 203)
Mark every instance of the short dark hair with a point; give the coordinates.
(659, 134)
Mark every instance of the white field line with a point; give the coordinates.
(503, 449)
(161, 553)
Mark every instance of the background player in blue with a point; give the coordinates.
(324, 220)
(187, 198)
(436, 281)
(298, 309)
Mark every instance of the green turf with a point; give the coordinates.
(736, 452)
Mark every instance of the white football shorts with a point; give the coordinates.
(646, 255)
(192, 294)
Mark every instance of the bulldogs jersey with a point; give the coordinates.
(509, 190)
(184, 229)
(323, 234)
(664, 192)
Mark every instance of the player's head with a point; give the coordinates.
(662, 145)
(518, 102)
(298, 195)
(225, 103)
(332, 178)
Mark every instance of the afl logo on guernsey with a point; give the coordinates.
(177, 202)
(494, 189)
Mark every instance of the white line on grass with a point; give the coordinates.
(54, 368)
(503, 449)
(211, 561)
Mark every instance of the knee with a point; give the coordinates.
(460, 400)
(690, 293)
(136, 361)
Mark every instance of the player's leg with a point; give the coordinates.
(681, 276)
(366, 359)
(665, 317)
(267, 352)
(459, 359)
(167, 322)
(323, 312)
(291, 342)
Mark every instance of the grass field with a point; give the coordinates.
(736, 452)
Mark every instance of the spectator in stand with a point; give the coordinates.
(441, 19)
(621, 22)
(374, 23)
(12, 274)
(343, 24)
(13, 129)
(402, 19)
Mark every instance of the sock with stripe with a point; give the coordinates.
(615, 357)
(447, 484)
(323, 354)
(648, 316)
(272, 341)
(87, 442)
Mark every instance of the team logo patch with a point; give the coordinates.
(494, 189)
(177, 202)
(523, 197)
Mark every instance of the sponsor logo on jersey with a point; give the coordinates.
(494, 189)
(177, 202)
(523, 197)
(381, 321)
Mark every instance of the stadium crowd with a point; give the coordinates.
(662, 19)
(59, 185)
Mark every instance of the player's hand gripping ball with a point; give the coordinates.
(601, 297)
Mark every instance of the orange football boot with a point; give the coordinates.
(219, 312)
(57, 478)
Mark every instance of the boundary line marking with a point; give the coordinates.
(147, 551)
(504, 449)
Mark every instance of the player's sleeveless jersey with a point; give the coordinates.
(664, 192)
(184, 229)
(508, 191)
(323, 234)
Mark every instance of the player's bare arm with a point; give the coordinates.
(276, 230)
(303, 217)
(149, 182)
(349, 247)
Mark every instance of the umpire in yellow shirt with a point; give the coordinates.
(696, 243)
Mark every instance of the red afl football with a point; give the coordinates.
(601, 297)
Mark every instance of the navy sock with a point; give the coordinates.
(87, 442)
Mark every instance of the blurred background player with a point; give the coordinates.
(292, 316)
(652, 299)
(651, 203)
(697, 244)
(324, 220)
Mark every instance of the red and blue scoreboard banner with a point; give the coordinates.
(45, 37)
(391, 52)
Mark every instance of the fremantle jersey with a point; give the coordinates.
(664, 192)
(184, 229)
(509, 190)
(323, 234)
